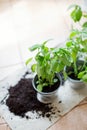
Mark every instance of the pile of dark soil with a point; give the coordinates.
(22, 98)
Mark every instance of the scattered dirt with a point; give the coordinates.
(22, 98)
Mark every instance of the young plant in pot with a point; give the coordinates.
(48, 63)
(77, 46)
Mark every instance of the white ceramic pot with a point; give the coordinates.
(76, 84)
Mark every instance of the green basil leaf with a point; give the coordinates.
(84, 24)
(39, 87)
(28, 61)
(76, 14)
(34, 47)
(33, 67)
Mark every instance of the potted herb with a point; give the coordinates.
(77, 46)
(49, 62)
(77, 80)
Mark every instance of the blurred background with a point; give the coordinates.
(26, 22)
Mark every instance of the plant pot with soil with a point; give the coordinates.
(48, 63)
(77, 46)
(77, 71)
(48, 94)
(75, 80)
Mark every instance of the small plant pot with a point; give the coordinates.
(74, 82)
(47, 97)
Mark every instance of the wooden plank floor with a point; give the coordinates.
(76, 119)
(3, 124)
